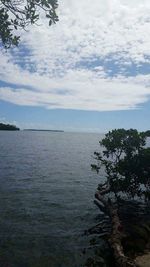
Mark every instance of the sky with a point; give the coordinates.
(90, 72)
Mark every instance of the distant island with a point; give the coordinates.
(40, 130)
(8, 127)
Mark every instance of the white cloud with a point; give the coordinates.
(48, 70)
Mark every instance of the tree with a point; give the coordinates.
(126, 161)
(18, 14)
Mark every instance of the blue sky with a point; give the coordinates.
(90, 72)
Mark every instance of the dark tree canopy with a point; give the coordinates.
(126, 160)
(8, 127)
(147, 133)
(125, 157)
(18, 14)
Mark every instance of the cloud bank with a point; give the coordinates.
(82, 62)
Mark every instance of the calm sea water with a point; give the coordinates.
(46, 198)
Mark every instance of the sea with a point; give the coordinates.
(46, 198)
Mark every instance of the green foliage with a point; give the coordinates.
(18, 14)
(126, 160)
(147, 133)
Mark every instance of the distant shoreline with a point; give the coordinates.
(38, 130)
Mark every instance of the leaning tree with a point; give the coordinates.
(18, 14)
(126, 161)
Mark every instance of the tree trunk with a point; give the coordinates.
(115, 240)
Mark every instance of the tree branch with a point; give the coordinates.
(116, 236)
